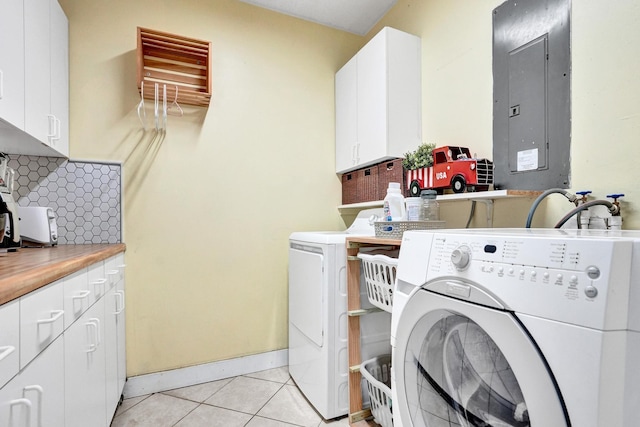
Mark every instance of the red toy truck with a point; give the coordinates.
(453, 167)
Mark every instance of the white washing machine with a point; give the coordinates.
(318, 354)
(517, 327)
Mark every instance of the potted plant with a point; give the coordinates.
(422, 157)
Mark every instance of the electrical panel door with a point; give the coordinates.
(532, 99)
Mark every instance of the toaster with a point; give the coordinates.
(38, 226)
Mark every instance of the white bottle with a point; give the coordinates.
(396, 202)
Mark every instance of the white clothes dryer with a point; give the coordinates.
(318, 355)
(519, 327)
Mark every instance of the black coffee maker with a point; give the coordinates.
(9, 221)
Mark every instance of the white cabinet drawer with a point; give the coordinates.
(41, 320)
(97, 281)
(9, 341)
(77, 296)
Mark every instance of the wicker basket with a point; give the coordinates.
(391, 171)
(360, 185)
(395, 229)
(367, 184)
(377, 373)
(380, 276)
(370, 183)
(349, 188)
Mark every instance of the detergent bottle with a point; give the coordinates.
(395, 201)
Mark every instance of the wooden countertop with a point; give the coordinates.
(31, 268)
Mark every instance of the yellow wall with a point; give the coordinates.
(208, 209)
(457, 96)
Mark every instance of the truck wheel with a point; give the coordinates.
(458, 185)
(414, 189)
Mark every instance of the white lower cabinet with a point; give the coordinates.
(9, 341)
(111, 353)
(120, 325)
(35, 397)
(68, 367)
(115, 332)
(84, 368)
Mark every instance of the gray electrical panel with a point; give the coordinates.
(532, 94)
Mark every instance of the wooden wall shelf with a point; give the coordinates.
(180, 63)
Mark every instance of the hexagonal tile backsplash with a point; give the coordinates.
(85, 196)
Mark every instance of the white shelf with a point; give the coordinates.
(486, 197)
(479, 195)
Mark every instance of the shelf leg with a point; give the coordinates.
(353, 325)
(489, 205)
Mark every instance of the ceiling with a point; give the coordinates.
(354, 16)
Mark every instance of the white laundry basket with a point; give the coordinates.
(377, 373)
(380, 277)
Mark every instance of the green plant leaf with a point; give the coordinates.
(422, 157)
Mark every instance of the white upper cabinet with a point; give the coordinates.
(37, 87)
(378, 101)
(346, 117)
(12, 63)
(41, 92)
(59, 32)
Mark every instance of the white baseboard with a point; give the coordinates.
(192, 375)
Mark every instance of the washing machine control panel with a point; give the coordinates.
(572, 280)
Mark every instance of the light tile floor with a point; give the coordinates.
(262, 399)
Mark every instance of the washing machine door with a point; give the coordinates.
(461, 364)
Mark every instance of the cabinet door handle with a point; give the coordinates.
(112, 275)
(56, 314)
(81, 295)
(99, 282)
(6, 350)
(56, 129)
(55, 134)
(97, 323)
(52, 129)
(119, 295)
(27, 404)
(38, 389)
(92, 326)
